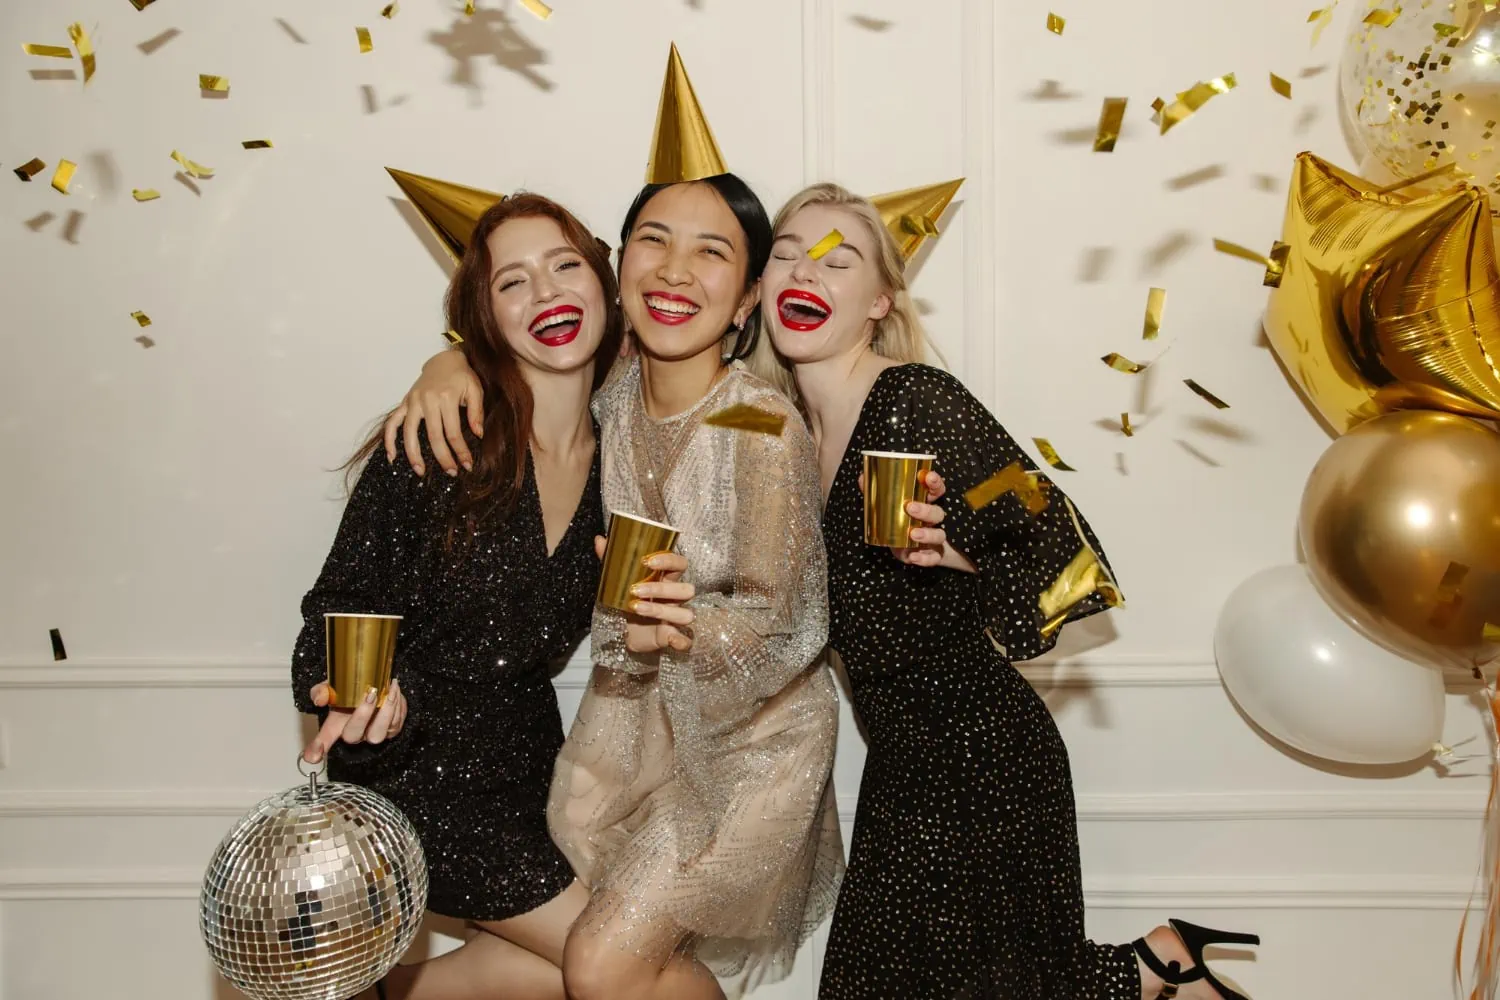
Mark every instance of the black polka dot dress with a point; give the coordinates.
(963, 877)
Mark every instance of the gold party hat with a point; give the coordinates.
(449, 209)
(912, 215)
(683, 148)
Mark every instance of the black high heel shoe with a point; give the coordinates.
(1195, 939)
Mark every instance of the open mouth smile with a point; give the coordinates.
(557, 326)
(802, 311)
(669, 309)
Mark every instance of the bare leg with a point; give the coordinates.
(599, 965)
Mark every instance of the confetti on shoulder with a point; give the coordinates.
(744, 417)
(1050, 454)
(215, 84)
(452, 337)
(1056, 23)
(256, 144)
(819, 249)
(1029, 487)
(191, 168)
(53, 51)
(145, 194)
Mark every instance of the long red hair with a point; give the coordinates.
(493, 487)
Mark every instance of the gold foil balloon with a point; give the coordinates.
(314, 895)
(1424, 90)
(1386, 300)
(1400, 524)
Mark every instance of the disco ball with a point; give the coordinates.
(314, 895)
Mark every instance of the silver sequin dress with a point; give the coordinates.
(693, 795)
(963, 877)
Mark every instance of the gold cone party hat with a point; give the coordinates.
(912, 215)
(449, 209)
(683, 148)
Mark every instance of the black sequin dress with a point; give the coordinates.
(963, 877)
(472, 765)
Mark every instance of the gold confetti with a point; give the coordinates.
(1156, 304)
(1029, 487)
(141, 318)
(1322, 16)
(256, 144)
(1282, 87)
(468, 8)
(538, 8)
(85, 49)
(1444, 30)
(1190, 100)
(217, 84)
(1205, 394)
(1276, 264)
(1491, 632)
(1056, 24)
(363, 34)
(1050, 454)
(1122, 364)
(30, 169)
(1382, 18)
(64, 175)
(142, 4)
(149, 194)
(452, 337)
(58, 651)
(145, 341)
(744, 417)
(54, 51)
(827, 243)
(1235, 250)
(1125, 427)
(390, 10)
(192, 169)
(1111, 116)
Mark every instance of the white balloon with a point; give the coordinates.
(1309, 679)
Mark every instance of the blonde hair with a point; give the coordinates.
(899, 335)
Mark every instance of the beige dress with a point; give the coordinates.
(694, 793)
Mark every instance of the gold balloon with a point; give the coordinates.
(1424, 91)
(1400, 524)
(1387, 300)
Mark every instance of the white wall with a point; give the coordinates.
(166, 508)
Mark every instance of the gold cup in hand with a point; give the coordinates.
(893, 480)
(361, 649)
(631, 540)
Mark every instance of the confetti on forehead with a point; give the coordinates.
(819, 249)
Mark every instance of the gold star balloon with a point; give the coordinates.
(450, 210)
(912, 215)
(1387, 300)
(683, 148)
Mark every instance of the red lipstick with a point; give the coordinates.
(801, 310)
(670, 318)
(557, 334)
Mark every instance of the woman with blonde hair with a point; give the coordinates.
(963, 876)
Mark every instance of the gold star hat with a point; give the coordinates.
(912, 215)
(683, 147)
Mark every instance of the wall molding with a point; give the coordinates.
(1257, 892)
(818, 74)
(1164, 807)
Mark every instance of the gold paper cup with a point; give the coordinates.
(631, 540)
(893, 480)
(361, 649)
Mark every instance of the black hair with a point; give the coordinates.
(752, 218)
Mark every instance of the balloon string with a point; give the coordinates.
(1486, 961)
(1429, 175)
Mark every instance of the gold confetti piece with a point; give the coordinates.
(390, 10)
(1282, 87)
(54, 51)
(1156, 304)
(452, 337)
(744, 417)
(85, 49)
(1122, 364)
(1322, 16)
(1444, 30)
(827, 243)
(1029, 487)
(1491, 632)
(217, 84)
(1276, 264)
(1382, 18)
(1056, 24)
(1125, 427)
(145, 341)
(192, 169)
(141, 318)
(58, 651)
(363, 34)
(538, 8)
(1050, 454)
(30, 169)
(142, 4)
(64, 175)
(1111, 117)
(468, 8)
(256, 144)
(1190, 100)
(1205, 394)
(1235, 250)
(149, 194)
